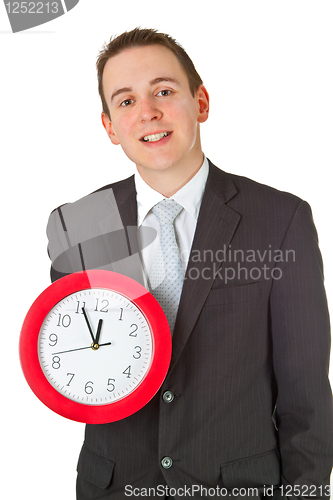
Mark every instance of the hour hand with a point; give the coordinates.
(89, 327)
(99, 327)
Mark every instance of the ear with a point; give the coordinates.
(107, 124)
(203, 101)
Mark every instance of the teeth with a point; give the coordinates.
(155, 137)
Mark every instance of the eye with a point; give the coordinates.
(127, 102)
(164, 93)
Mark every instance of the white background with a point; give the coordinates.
(268, 68)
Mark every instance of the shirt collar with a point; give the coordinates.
(189, 196)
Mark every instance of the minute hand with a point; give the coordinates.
(89, 327)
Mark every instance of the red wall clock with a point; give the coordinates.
(95, 346)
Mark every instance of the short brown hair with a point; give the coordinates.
(141, 38)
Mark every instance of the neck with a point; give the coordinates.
(168, 183)
(169, 180)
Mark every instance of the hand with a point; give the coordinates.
(92, 346)
(89, 327)
(98, 331)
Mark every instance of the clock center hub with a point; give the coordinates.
(94, 346)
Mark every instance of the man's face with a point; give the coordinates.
(154, 116)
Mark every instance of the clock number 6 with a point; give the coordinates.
(88, 388)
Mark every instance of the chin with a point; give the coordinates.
(156, 164)
(159, 167)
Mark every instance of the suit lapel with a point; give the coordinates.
(217, 223)
(126, 200)
(215, 228)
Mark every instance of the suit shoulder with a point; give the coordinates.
(84, 215)
(259, 194)
(240, 191)
(89, 218)
(119, 188)
(267, 208)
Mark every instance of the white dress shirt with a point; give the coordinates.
(189, 197)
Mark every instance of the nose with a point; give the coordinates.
(149, 110)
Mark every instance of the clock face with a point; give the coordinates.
(92, 370)
(95, 346)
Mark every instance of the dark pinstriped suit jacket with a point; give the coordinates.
(249, 368)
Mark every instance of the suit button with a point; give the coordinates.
(166, 462)
(168, 396)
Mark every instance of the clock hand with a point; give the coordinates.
(98, 331)
(81, 348)
(89, 327)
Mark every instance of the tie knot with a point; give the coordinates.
(166, 211)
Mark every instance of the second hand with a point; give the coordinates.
(80, 349)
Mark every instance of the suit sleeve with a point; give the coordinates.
(57, 245)
(301, 349)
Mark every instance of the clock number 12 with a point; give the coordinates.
(104, 307)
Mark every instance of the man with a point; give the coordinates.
(246, 407)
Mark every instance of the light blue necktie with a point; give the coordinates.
(166, 277)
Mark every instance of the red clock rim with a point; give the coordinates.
(161, 337)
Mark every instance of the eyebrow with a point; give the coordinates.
(164, 79)
(120, 91)
(159, 79)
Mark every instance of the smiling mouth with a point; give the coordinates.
(155, 137)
